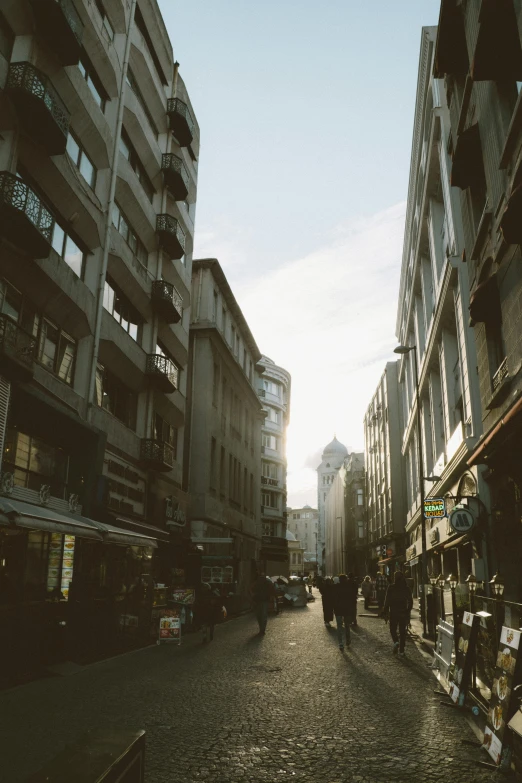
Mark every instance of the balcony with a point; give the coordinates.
(170, 235)
(16, 351)
(451, 54)
(166, 301)
(176, 176)
(270, 482)
(42, 114)
(59, 24)
(157, 455)
(24, 220)
(162, 372)
(498, 54)
(181, 122)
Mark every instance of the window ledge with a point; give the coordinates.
(482, 231)
(500, 393)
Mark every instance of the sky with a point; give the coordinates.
(306, 112)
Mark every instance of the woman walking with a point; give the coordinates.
(367, 590)
(326, 590)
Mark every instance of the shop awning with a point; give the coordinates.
(484, 304)
(150, 531)
(511, 222)
(456, 542)
(394, 559)
(467, 164)
(16, 513)
(117, 535)
(498, 55)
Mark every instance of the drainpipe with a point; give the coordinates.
(110, 206)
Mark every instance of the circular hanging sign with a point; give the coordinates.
(461, 520)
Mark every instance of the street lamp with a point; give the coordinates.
(404, 349)
(453, 582)
(472, 583)
(498, 585)
(441, 580)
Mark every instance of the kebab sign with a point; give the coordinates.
(434, 508)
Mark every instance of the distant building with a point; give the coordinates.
(344, 516)
(223, 444)
(385, 474)
(332, 459)
(274, 392)
(304, 524)
(295, 554)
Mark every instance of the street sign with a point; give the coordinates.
(461, 520)
(434, 508)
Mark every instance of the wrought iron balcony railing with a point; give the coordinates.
(176, 176)
(25, 221)
(42, 113)
(157, 455)
(16, 350)
(500, 375)
(60, 24)
(181, 122)
(163, 373)
(171, 235)
(166, 301)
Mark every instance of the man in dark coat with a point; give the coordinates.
(326, 590)
(262, 592)
(354, 590)
(207, 610)
(397, 608)
(344, 601)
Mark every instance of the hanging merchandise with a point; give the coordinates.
(500, 705)
(465, 652)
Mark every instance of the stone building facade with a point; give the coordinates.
(99, 151)
(344, 518)
(223, 435)
(479, 57)
(385, 477)
(274, 389)
(304, 524)
(331, 460)
(433, 316)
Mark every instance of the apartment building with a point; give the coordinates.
(304, 524)
(437, 342)
(479, 56)
(99, 150)
(223, 435)
(274, 387)
(344, 518)
(331, 460)
(385, 476)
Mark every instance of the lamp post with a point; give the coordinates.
(434, 580)
(453, 582)
(441, 579)
(403, 349)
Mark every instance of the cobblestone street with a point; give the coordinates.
(289, 705)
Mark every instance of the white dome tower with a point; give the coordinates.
(332, 459)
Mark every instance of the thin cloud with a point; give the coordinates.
(329, 319)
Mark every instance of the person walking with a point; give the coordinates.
(381, 586)
(206, 609)
(367, 590)
(326, 590)
(262, 592)
(343, 606)
(354, 594)
(397, 608)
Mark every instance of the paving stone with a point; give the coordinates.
(254, 708)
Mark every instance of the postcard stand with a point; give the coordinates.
(465, 652)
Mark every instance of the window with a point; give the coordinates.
(34, 462)
(269, 470)
(105, 20)
(89, 74)
(233, 338)
(215, 385)
(165, 432)
(56, 351)
(222, 465)
(113, 396)
(215, 307)
(128, 151)
(122, 310)
(269, 442)
(272, 388)
(273, 415)
(213, 448)
(269, 499)
(123, 226)
(131, 81)
(7, 37)
(223, 321)
(80, 158)
(360, 499)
